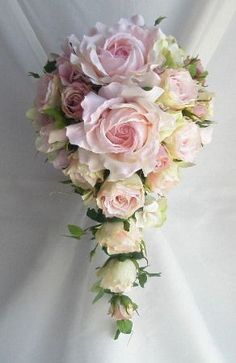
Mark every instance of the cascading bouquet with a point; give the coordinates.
(119, 113)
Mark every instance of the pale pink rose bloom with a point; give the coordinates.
(122, 198)
(180, 89)
(69, 73)
(50, 139)
(120, 312)
(71, 99)
(200, 110)
(185, 142)
(206, 135)
(162, 159)
(116, 239)
(163, 181)
(116, 53)
(47, 92)
(121, 129)
(80, 174)
(61, 160)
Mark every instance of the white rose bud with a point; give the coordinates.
(118, 276)
(116, 239)
(121, 198)
(153, 213)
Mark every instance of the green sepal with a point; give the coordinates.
(159, 20)
(57, 115)
(50, 66)
(34, 75)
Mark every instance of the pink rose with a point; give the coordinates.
(180, 89)
(185, 142)
(122, 198)
(121, 128)
(47, 92)
(71, 97)
(109, 54)
(69, 73)
(162, 159)
(163, 181)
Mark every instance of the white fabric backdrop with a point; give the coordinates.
(46, 314)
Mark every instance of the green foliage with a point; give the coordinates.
(142, 279)
(34, 75)
(99, 295)
(159, 20)
(76, 231)
(123, 326)
(126, 226)
(57, 115)
(50, 66)
(92, 253)
(97, 216)
(192, 68)
(205, 123)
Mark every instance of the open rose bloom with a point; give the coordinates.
(119, 112)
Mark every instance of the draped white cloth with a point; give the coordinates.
(46, 315)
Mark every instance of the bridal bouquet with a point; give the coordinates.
(120, 112)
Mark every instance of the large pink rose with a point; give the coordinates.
(185, 142)
(71, 97)
(47, 92)
(113, 53)
(122, 198)
(180, 89)
(121, 129)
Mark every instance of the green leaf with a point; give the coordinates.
(92, 253)
(192, 68)
(117, 334)
(75, 231)
(147, 88)
(66, 181)
(124, 326)
(57, 115)
(205, 123)
(99, 295)
(151, 274)
(96, 215)
(126, 226)
(142, 278)
(50, 66)
(34, 75)
(159, 20)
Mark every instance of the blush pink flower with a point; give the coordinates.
(109, 54)
(163, 181)
(162, 159)
(61, 160)
(122, 198)
(121, 129)
(180, 89)
(185, 142)
(71, 98)
(47, 92)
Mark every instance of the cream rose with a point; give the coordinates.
(122, 198)
(185, 142)
(180, 89)
(153, 213)
(117, 276)
(116, 239)
(50, 139)
(162, 182)
(80, 174)
(121, 129)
